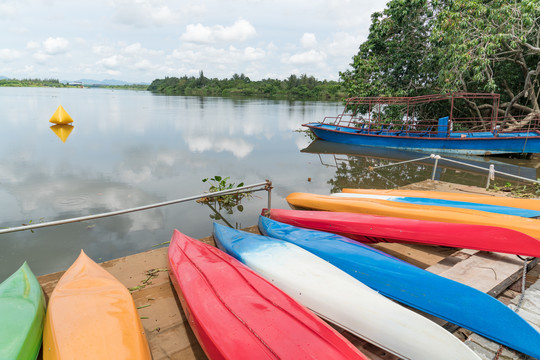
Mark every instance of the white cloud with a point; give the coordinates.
(41, 57)
(7, 10)
(32, 45)
(9, 55)
(344, 44)
(150, 12)
(308, 40)
(307, 57)
(55, 46)
(112, 62)
(213, 55)
(241, 30)
(253, 53)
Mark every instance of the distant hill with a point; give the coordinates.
(3, 78)
(89, 82)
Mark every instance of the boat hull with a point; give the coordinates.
(412, 286)
(410, 211)
(22, 311)
(521, 143)
(341, 299)
(91, 315)
(236, 314)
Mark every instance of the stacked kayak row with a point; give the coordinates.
(394, 209)
(90, 315)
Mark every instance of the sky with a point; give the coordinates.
(142, 40)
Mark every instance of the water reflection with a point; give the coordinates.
(62, 131)
(368, 167)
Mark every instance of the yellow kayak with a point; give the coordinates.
(91, 315)
(531, 204)
(527, 226)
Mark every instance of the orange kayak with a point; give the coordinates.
(91, 315)
(527, 226)
(531, 204)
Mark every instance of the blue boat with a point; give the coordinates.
(506, 210)
(418, 288)
(394, 122)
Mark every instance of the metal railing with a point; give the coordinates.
(263, 186)
(490, 176)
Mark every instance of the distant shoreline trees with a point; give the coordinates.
(239, 85)
(301, 87)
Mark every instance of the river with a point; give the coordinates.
(132, 148)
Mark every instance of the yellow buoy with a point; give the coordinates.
(62, 131)
(60, 116)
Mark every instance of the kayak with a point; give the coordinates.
(412, 286)
(22, 310)
(373, 228)
(341, 299)
(498, 209)
(91, 315)
(530, 227)
(532, 204)
(236, 314)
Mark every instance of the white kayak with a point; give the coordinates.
(341, 299)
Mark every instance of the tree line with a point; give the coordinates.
(32, 83)
(294, 87)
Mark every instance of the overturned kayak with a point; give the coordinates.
(341, 299)
(22, 311)
(434, 294)
(91, 315)
(530, 227)
(498, 209)
(236, 314)
(373, 228)
(531, 204)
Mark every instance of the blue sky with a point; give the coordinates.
(141, 40)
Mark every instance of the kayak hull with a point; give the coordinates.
(236, 314)
(91, 315)
(431, 293)
(530, 227)
(498, 209)
(531, 204)
(22, 311)
(341, 299)
(374, 228)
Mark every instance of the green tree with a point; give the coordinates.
(422, 47)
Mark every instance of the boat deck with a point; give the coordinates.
(170, 336)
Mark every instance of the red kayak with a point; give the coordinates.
(372, 228)
(236, 314)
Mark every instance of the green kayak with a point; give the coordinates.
(22, 311)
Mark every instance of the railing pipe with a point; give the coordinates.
(239, 190)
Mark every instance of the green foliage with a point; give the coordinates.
(224, 202)
(32, 83)
(420, 47)
(294, 87)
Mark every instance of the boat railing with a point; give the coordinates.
(263, 186)
(420, 116)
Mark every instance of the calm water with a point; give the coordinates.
(130, 148)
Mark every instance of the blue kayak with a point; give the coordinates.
(498, 209)
(418, 288)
